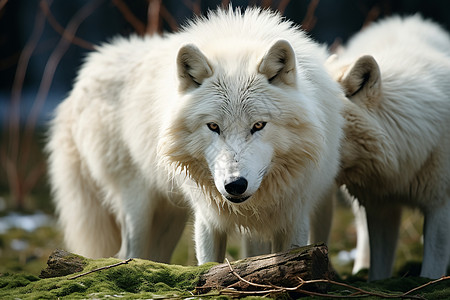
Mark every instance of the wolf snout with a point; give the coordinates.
(236, 186)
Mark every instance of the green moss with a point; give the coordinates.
(145, 279)
(8, 281)
(138, 278)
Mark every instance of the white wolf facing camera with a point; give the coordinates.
(397, 140)
(235, 115)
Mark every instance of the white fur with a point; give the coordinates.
(397, 146)
(132, 140)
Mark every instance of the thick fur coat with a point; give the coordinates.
(397, 141)
(235, 117)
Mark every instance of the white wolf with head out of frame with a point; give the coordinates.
(235, 114)
(397, 139)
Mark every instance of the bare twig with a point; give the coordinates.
(194, 6)
(168, 17)
(3, 3)
(130, 17)
(48, 75)
(64, 33)
(102, 268)
(309, 21)
(282, 6)
(372, 15)
(426, 284)
(225, 3)
(10, 154)
(266, 3)
(153, 20)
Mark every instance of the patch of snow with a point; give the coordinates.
(26, 222)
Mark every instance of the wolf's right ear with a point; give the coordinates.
(363, 79)
(279, 65)
(193, 67)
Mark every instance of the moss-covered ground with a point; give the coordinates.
(20, 266)
(140, 279)
(136, 280)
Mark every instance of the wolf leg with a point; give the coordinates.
(297, 236)
(383, 222)
(210, 243)
(166, 229)
(362, 259)
(437, 242)
(138, 207)
(253, 246)
(322, 217)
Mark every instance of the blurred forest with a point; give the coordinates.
(42, 44)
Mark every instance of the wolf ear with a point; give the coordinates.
(193, 67)
(363, 78)
(279, 65)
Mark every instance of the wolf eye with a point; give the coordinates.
(213, 127)
(258, 126)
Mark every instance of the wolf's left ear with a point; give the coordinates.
(279, 65)
(363, 79)
(193, 67)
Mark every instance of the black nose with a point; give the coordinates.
(237, 186)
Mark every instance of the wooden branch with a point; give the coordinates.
(102, 268)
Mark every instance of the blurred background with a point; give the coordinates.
(42, 44)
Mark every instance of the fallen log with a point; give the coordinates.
(284, 269)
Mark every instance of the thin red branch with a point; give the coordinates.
(309, 21)
(225, 3)
(3, 3)
(49, 72)
(168, 17)
(130, 17)
(64, 33)
(266, 3)
(194, 6)
(153, 20)
(282, 6)
(33, 176)
(10, 153)
(372, 15)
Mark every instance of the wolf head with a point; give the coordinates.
(238, 115)
(368, 150)
(237, 124)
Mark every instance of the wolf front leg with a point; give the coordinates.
(295, 236)
(322, 217)
(136, 217)
(362, 259)
(210, 243)
(383, 222)
(253, 245)
(436, 242)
